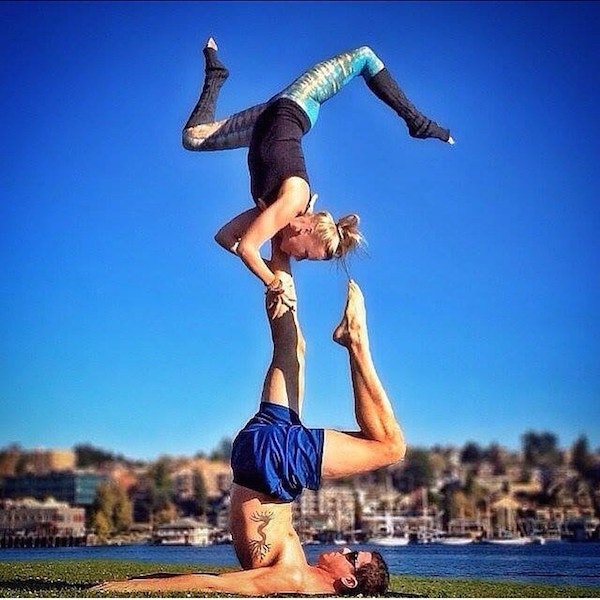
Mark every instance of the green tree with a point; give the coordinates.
(103, 507)
(497, 456)
(581, 459)
(200, 495)
(160, 490)
(417, 471)
(450, 503)
(540, 449)
(223, 450)
(122, 512)
(471, 453)
(112, 510)
(101, 525)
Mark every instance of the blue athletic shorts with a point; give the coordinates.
(276, 455)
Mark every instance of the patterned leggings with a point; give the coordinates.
(309, 91)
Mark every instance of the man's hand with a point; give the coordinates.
(281, 295)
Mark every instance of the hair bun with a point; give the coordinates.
(349, 222)
(350, 236)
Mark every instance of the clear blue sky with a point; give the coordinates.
(125, 326)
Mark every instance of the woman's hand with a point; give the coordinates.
(281, 295)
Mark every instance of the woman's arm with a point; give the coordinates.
(229, 235)
(291, 201)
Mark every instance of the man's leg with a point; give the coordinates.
(202, 132)
(380, 441)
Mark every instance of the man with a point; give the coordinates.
(274, 457)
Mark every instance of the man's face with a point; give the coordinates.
(342, 563)
(298, 240)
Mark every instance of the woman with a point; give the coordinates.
(273, 132)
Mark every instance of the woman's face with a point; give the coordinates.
(299, 240)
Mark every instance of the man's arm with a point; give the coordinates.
(263, 581)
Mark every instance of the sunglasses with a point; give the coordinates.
(352, 557)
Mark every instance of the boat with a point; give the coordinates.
(390, 540)
(387, 535)
(508, 541)
(538, 539)
(453, 540)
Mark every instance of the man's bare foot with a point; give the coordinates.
(353, 326)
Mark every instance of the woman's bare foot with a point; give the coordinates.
(211, 44)
(353, 326)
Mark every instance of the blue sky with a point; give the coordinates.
(125, 326)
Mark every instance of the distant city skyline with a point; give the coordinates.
(207, 452)
(125, 326)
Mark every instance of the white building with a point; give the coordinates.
(187, 532)
(29, 517)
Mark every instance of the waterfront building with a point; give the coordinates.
(74, 487)
(29, 518)
(187, 532)
(331, 510)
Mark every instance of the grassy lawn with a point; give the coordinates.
(70, 579)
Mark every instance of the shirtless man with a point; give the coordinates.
(274, 457)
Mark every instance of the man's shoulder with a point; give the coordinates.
(297, 578)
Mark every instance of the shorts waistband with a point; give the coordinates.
(278, 412)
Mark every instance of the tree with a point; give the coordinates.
(223, 450)
(160, 490)
(416, 473)
(471, 453)
(540, 449)
(102, 509)
(101, 525)
(200, 494)
(581, 459)
(122, 512)
(450, 503)
(497, 456)
(112, 510)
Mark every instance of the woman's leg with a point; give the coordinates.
(327, 78)
(215, 75)
(202, 132)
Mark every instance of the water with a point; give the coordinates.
(554, 563)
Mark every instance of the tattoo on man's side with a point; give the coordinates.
(259, 548)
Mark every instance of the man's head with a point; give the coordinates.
(356, 572)
(316, 236)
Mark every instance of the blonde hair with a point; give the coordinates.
(338, 238)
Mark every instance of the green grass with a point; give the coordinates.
(70, 579)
